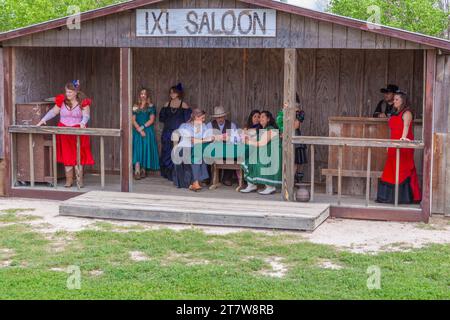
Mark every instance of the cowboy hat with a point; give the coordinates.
(391, 88)
(219, 112)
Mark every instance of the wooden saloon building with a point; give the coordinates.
(243, 55)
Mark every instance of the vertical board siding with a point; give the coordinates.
(2, 105)
(347, 83)
(330, 82)
(339, 36)
(43, 72)
(238, 79)
(441, 141)
(293, 31)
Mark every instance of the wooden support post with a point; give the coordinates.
(329, 185)
(312, 172)
(31, 158)
(102, 161)
(78, 172)
(369, 159)
(340, 175)
(290, 82)
(397, 173)
(430, 78)
(8, 117)
(54, 161)
(125, 118)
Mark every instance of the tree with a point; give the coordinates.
(445, 6)
(429, 17)
(20, 13)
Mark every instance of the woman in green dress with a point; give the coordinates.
(145, 148)
(262, 163)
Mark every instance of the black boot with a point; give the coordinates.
(299, 177)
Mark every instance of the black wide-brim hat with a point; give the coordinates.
(391, 88)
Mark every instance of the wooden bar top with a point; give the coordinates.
(363, 120)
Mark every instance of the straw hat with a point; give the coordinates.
(219, 112)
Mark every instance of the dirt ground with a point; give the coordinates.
(353, 235)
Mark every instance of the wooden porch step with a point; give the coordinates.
(196, 210)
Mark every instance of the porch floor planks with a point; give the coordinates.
(156, 185)
(198, 210)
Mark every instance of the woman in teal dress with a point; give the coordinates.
(145, 148)
(262, 163)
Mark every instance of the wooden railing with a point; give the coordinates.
(341, 142)
(32, 130)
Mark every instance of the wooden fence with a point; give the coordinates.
(32, 130)
(356, 142)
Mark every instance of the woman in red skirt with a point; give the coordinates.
(401, 126)
(74, 110)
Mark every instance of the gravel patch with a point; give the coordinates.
(277, 268)
(353, 235)
(138, 256)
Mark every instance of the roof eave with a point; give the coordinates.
(285, 7)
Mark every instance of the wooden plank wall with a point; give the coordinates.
(330, 82)
(441, 139)
(293, 31)
(347, 82)
(2, 105)
(42, 73)
(239, 79)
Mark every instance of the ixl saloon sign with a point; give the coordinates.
(206, 23)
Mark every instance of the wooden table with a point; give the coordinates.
(215, 170)
(224, 157)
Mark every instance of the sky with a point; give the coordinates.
(310, 4)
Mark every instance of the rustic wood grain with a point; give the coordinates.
(325, 34)
(64, 130)
(2, 105)
(439, 178)
(289, 90)
(430, 76)
(339, 36)
(205, 211)
(125, 108)
(295, 28)
(8, 96)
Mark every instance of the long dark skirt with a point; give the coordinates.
(386, 192)
(301, 156)
(185, 174)
(165, 161)
(300, 151)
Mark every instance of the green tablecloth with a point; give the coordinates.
(218, 150)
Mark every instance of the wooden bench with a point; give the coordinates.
(215, 170)
(330, 173)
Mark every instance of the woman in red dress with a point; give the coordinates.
(74, 110)
(401, 126)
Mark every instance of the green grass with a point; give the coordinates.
(11, 215)
(190, 264)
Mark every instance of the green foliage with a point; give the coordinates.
(423, 16)
(20, 13)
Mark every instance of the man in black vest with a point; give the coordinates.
(386, 106)
(222, 124)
